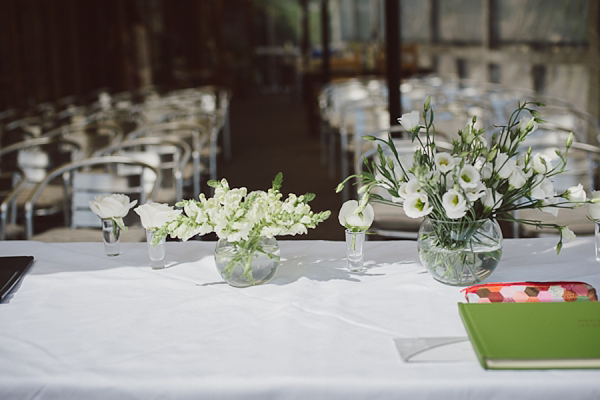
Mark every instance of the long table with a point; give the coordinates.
(82, 325)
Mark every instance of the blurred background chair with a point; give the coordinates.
(90, 135)
(85, 179)
(24, 165)
(194, 134)
(582, 167)
(169, 154)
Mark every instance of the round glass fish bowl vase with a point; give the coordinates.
(247, 263)
(460, 253)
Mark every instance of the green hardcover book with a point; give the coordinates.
(534, 335)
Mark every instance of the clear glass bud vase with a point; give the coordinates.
(354, 250)
(247, 263)
(156, 252)
(111, 235)
(458, 252)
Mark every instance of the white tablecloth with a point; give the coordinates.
(84, 326)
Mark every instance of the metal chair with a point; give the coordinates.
(193, 133)
(90, 135)
(25, 164)
(85, 179)
(170, 154)
(583, 163)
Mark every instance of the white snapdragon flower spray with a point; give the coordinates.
(244, 220)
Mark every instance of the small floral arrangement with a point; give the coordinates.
(243, 218)
(114, 207)
(476, 180)
(354, 218)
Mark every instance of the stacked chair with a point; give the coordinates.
(56, 156)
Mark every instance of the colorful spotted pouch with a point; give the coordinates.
(521, 292)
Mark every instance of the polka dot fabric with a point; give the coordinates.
(530, 292)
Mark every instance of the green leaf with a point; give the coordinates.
(278, 181)
(309, 197)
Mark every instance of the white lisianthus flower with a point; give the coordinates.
(541, 163)
(454, 204)
(156, 215)
(417, 205)
(474, 194)
(542, 188)
(575, 194)
(491, 199)
(409, 188)
(517, 179)
(567, 233)
(468, 177)
(407, 161)
(486, 171)
(504, 165)
(410, 121)
(444, 162)
(351, 218)
(594, 206)
(547, 204)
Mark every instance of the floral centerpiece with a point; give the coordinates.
(463, 193)
(246, 225)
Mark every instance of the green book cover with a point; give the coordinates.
(534, 335)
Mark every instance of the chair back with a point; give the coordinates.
(194, 134)
(90, 177)
(169, 154)
(90, 135)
